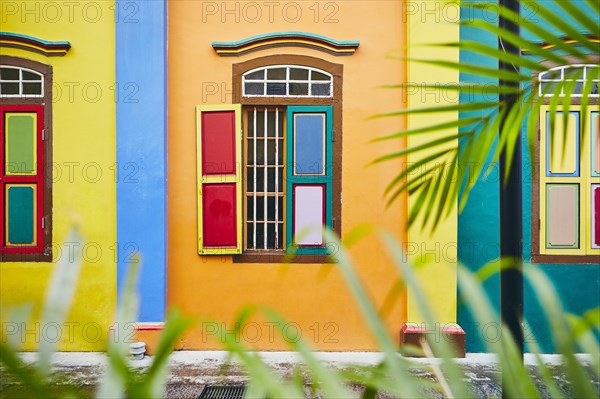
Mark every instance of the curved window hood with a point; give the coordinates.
(286, 39)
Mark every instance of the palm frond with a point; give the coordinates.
(485, 129)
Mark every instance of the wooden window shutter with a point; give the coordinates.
(21, 179)
(219, 179)
(310, 179)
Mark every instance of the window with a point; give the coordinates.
(570, 73)
(287, 81)
(567, 198)
(25, 194)
(264, 149)
(20, 82)
(267, 171)
(288, 176)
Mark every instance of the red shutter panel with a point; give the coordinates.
(219, 179)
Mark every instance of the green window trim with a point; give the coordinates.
(326, 179)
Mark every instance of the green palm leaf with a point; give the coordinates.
(487, 128)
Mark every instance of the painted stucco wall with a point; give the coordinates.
(141, 73)
(577, 285)
(434, 253)
(312, 296)
(83, 167)
(478, 223)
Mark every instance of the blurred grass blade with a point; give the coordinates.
(563, 337)
(394, 364)
(441, 347)
(32, 382)
(522, 385)
(60, 293)
(328, 381)
(263, 378)
(155, 379)
(585, 337)
(117, 376)
(543, 370)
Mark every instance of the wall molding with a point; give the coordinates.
(567, 40)
(286, 39)
(34, 44)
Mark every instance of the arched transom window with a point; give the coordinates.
(287, 81)
(20, 82)
(570, 73)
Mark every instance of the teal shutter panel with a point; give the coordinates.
(20, 211)
(309, 177)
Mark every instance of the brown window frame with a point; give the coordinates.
(336, 70)
(46, 101)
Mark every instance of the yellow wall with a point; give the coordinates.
(214, 288)
(84, 145)
(432, 22)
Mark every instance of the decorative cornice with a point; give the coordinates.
(30, 43)
(567, 40)
(286, 39)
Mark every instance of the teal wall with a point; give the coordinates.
(478, 225)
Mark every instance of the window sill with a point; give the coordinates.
(17, 257)
(281, 257)
(566, 259)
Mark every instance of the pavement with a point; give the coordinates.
(190, 371)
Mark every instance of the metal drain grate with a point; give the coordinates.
(223, 392)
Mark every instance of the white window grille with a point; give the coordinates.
(287, 81)
(20, 82)
(265, 193)
(578, 73)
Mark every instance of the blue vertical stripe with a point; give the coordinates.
(141, 148)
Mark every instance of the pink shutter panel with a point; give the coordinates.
(219, 179)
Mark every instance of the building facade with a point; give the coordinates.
(215, 140)
(560, 216)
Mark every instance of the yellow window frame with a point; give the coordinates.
(584, 180)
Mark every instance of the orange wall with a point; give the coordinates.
(212, 287)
